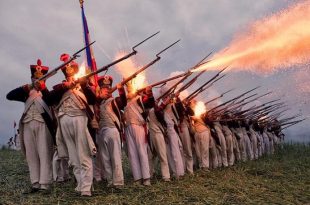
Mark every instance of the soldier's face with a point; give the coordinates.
(70, 70)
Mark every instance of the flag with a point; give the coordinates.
(91, 62)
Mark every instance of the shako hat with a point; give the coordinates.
(37, 71)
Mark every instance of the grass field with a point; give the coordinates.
(283, 178)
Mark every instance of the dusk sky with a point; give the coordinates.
(46, 29)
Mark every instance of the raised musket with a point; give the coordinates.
(245, 103)
(296, 122)
(144, 67)
(106, 67)
(202, 87)
(55, 70)
(216, 98)
(188, 73)
(162, 82)
(235, 98)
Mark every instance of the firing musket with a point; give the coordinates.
(144, 67)
(106, 67)
(216, 98)
(202, 87)
(235, 98)
(55, 70)
(187, 74)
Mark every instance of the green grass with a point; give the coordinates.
(283, 178)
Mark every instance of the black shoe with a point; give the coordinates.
(31, 190)
(45, 191)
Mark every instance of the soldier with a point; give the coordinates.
(73, 138)
(36, 129)
(229, 142)
(202, 137)
(135, 114)
(186, 136)
(223, 151)
(175, 149)
(159, 138)
(111, 129)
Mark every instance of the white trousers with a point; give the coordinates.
(75, 131)
(266, 143)
(253, 139)
(187, 148)
(223, 150)
(230, 149)
(60, 168)
(39, 152)
(174, 151)
(202, 148)
(158, 141)
(214, 163)
(109, 145)
(237, 154)
(137, 151)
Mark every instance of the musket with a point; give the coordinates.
(262, 106)
(296, 121)
(187, 74)
(235, 98)
(106, 67)
(144, 67)
(232, 104)
(218, 96)
(252, 100)
(201, 88)
(266, 110)
(290, 118)
(55, 70)
(293, 123)
(162, 82)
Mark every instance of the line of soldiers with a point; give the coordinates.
(83, 123)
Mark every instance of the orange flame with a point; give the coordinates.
(278, 41)
(127, 68)
(199, 108)
(81, 72)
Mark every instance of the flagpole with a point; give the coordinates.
(90, 58)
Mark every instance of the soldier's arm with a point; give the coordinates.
(121, 101)
(148, 99)
(90, 93)
(19, 94)
(56, 94)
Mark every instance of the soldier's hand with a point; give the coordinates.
(68, 84)
(83, 81)
(40, 85)
(28, 87)
(119, 86)
(148, 90)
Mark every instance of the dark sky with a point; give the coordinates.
(45, 29)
